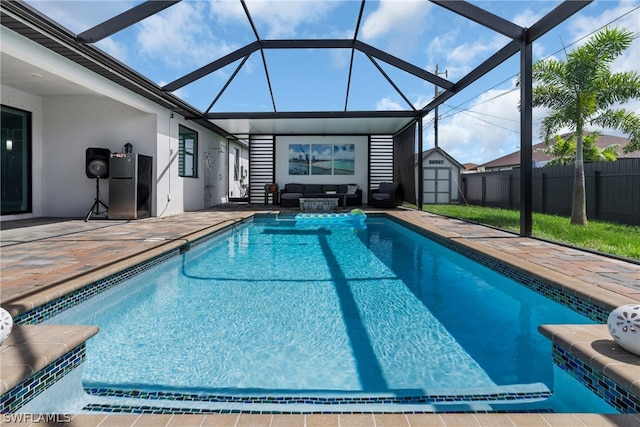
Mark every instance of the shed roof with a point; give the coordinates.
(428, 153)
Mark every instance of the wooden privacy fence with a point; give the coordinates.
(612, 190)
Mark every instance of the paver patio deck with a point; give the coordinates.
(42, 259)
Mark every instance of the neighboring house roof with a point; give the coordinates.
(513, 159)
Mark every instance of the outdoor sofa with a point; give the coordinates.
(291, 194)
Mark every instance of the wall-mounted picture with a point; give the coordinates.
(299, 159)
(321, 159)
(343, 159)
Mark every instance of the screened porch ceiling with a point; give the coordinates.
(256, 80)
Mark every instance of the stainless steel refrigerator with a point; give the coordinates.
(130, 178)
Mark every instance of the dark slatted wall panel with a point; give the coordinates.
(380, 160)
(261, 155)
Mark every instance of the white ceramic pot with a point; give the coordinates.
(6, 323)
(624, 327)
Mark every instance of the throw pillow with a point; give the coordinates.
(351, 189)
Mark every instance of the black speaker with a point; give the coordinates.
(98, 162)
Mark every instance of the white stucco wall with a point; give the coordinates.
(71, 125)
(211, 156)
(361, 145)
(65, 126)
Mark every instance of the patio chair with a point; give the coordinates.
(388, 195)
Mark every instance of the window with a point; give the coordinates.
(187, 152)
(15, 149)
(436, 162)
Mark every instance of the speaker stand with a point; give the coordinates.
(95, 209)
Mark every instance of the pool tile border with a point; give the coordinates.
(317, 400)
(50, 309)
(608, 390)
(159, 410)
(35, 384)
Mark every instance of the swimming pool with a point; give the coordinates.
(275, 312)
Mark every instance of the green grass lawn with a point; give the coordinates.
(615, 239)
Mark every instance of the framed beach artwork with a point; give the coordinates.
(299, 159)
(321, 159)
(344, 159)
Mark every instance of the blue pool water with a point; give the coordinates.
(283, 309)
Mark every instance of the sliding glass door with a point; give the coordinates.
(15, 151)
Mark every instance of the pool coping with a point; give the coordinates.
(584, 291)
(53, 349)
(22, 304)
(574, 285)
(588, 353)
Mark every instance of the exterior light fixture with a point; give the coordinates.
(9, 144)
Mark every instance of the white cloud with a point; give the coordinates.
(117, 50)
(225, 11)
(340, 58)
(421, 100)
(283, 18)
(389, 18)
(460, 58)
(81, 15)
(387, 104)
(488, 129)
(181, 36)
(470, 51)
(403, 24)
(527, 18)
(587, 23)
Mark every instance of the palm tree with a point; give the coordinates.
(564, 150)
(582, 92)
(593, 153)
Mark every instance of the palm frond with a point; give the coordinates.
(626, 121)
(607, 44)
(618, 88)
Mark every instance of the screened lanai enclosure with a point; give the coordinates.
(392, 137)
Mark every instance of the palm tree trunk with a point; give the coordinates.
(579, 200)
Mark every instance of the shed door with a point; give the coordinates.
(437, 185)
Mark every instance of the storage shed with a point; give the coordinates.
(441, 177)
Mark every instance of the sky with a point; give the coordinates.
(477, 125)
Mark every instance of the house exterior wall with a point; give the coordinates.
(105, 115)
(71, 125)
(209, 188)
